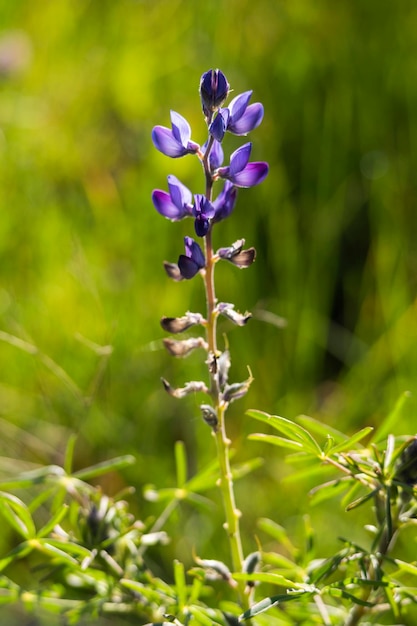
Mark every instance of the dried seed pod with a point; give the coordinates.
(180, 324)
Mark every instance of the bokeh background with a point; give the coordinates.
(82, 288)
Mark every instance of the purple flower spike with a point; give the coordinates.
(242, 173)
(176, 142)
(244, 118)
(225, 201)
(176, 204)
(203, 212)
(193, 260)
(213, 91)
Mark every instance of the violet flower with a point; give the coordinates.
(203, 211)
(193, 260)
(243, 118)
(216, 155)
(175, 142)
(242, 173)
(225, 202)
(177, 203)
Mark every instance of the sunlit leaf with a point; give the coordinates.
(111, 465)
(351, 441)
(17, 514)
(289, 429)
(276, 441)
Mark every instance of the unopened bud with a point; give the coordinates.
(209, 416)
(214, 89)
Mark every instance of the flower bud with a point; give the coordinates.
(214, 89)
(209, 416)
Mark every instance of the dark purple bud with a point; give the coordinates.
(177, 203)
(193, 260)
(244, 118)
(219, 125)
(177, 325)
(214, 89)
(180, 392)
(227, 309)
(175, 142)
(203, 211)
(185, 346)
(173, 271)
(242, 173)
(209, 416)
(225, 201)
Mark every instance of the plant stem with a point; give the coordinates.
(232, 514)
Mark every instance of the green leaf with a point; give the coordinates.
(180, 584)
(17, 514)
(180, 463)
(289, 429)
(276, 441)
(19, 552)
(328, 490)
(362, 499)
(33, 477)
(268, 577)
(55, 519)
(267, 603)
(117, 463)
(351, 441)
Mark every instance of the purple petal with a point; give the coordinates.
(165, 142)
(216, 155)
(194, 252)
(180, 129)
(164, 205)
(225, 201)
(252, 174)
(239, 159)
(251, 118)
(187, 267)
(238, 106)
(180, 194)
(218, 126)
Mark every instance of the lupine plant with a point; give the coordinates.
(207, 210)
(87, 553)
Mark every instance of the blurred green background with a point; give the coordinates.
(82, 286)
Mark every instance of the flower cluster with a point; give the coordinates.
(239, 118)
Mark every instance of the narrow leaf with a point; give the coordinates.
(276, 441)
(17, 514)
(180, 463)
(290, 429)
(390, 421)
(351, 441)
(111, 465)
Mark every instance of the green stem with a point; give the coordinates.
(232, 514)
